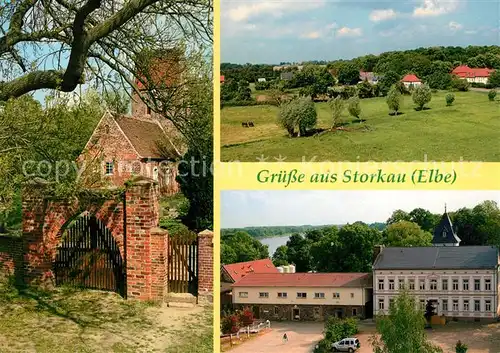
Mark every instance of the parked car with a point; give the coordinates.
(346, 345)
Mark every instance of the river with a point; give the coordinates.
(274, 243)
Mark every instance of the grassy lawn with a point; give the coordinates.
(468, 130)
(70, 320)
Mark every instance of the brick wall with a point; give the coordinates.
(44, 221)
(11, 258)
(206, 264)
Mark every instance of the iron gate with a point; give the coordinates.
(183, 265)
(89, 257)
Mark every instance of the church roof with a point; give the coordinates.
(444, 233)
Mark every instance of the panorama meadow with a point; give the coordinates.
(458, 120)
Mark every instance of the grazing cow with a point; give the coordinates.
(244, 124)
(250, 124)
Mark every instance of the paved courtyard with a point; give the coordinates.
(303, 337)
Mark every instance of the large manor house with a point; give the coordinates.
(460, 281)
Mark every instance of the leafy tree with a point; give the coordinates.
(299, 252)
(421, 96)
(244, 93)
(195, 174)
(461, 347)
(348, 74)
(337, 105)
(450, 98)
(241, 247)
(354, 107)
(402, 330)
(389, 79)
(492, 94)
(280, 256)
(430, 311)
(494, 79)
(365, 90)
(425, 219)
(297, 114)
(406, 233)
(398, 216)
(91, 40)
(394, 99)
(356, 247)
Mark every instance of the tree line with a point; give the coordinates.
(349, 248)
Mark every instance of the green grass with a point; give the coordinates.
(71, 320)
(468, 130)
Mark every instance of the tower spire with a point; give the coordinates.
(445, 207)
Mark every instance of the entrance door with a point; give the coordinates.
(295, 314)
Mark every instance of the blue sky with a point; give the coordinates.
(271, 31)
(261, 208)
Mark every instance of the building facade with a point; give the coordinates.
(411, 81)
(462, 282)
(304, 296)
(473, 75)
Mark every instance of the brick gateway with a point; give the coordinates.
(123, 226)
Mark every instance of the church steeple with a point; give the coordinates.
(444, 234)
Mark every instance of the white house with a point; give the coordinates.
(473, 75)
(411, 80)
(461, 281)
(261, 79)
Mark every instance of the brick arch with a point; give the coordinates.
(132, 219)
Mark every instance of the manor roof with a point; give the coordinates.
(437, 257)
(464, 71)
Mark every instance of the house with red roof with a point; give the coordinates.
(232, 273)
(304, 296)
(222, 79)
(411, 80)
(473, 75)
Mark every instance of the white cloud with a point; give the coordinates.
(435, 8)
(311, 35)
(382, 15)
(349, 32)
(470, 32)
(274, 8)
(454, 26)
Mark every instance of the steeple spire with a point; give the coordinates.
(445, 207)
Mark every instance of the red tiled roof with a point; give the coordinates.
(221, 78)
(241, 269)
(303, 280)
(464, 71)
(410, 78)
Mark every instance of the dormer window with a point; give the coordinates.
(444, 233)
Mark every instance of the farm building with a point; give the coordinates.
(221, 79)
(304, 296)
(286, 76)
(368, 76)
(472, 75)
(411, 80)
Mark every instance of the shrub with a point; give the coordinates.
(298, 113)
(349, 91)
(354, 107)
(394, 99)
(365, 90)
(246, 317)
(450, 98)
(337, 106)
(337, 329)
(492, 94)
(260, 86)
(230, 324)
(461, 347)
(323, 346)
(494, 80)
(421, 96)
(459, 84)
